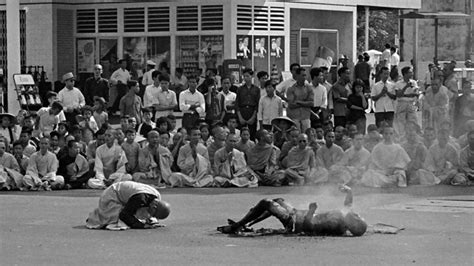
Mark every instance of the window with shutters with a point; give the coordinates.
(212, 17)
(85, 21)
(187, 18)
(158, 19)
(134, 19)
(244, 17)
(260, 18)
(107, 19)
(277, 18)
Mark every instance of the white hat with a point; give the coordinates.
(67, 76)
(150, 63)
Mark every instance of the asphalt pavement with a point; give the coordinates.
(47, 228)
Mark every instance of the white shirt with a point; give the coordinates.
(165, 99)
(147, 79)
(320, 96)
(394, 59)
(120, 74)
(269, 109)
(151, 95)
(386, 56)
(229, 98)
(384, 103)
(47, 122)
(71, 98)
(401, 84)
(186, 99)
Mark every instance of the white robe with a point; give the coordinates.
(109, 164)
(387, 167)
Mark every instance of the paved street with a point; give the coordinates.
(47, 228)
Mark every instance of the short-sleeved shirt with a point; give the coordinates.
(384, 103)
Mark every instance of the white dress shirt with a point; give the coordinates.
(320, 96)
(120, 74)
(384, 103)
(187, 99)
(71, 98)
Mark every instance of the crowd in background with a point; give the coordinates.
(304, 130)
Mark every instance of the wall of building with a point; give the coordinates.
(452, 33)
(64, 42)
(40, 45)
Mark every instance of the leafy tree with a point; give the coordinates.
(383, 25)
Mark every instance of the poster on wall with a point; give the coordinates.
(244, 50)
(260, 53)
(159, 50)
(134, 51)
(211, 51)
(85, 55)
(277, 52)
(108, 56)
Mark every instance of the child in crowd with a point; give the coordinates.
(124, 125)
(130, 147)
(29, 147)
(163, 124)
(76, 132)
(147, 125)
(30, 122)
(131, 103)
(205, 135)
(87, 124)
(21, 159)
(320, 135)
(120, 136)
(63, 128)
(245, 143)
(132, 121)
(100, 115)
(9, 128)
(54, 142)
(172, 129)
(231, 125)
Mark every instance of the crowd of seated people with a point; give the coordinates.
(240, 139)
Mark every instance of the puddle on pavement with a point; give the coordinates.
(461, 204)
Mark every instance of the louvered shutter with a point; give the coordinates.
(187, 18)
(107, 19)
(85, 21)
(158, 19)
(134, 20)
(244, 17)
(212, 17)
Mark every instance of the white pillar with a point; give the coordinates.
(366, 28)
(13, 52)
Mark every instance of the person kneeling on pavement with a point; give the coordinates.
(128, 204)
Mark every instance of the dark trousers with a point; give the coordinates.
(80, 181)
(190, 120)
(384, 116)
(247, 113)
(315, 121)
(121, 91)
